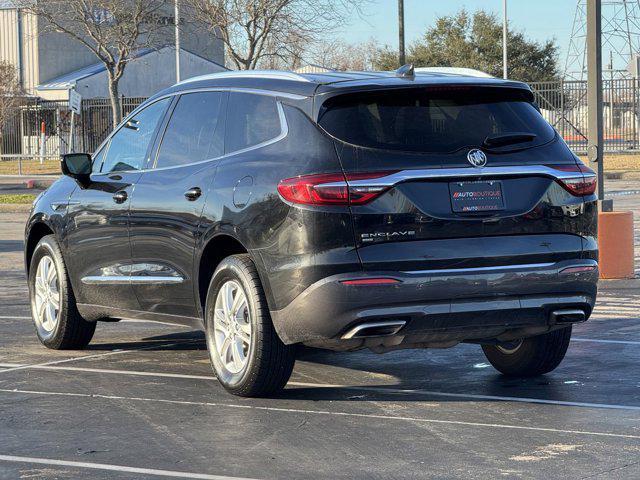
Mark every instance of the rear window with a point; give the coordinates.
(437, 120)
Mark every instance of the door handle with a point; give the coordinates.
(120, 196)
(193, 194)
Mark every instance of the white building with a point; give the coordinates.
(50, 63)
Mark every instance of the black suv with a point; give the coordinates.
(384, 210)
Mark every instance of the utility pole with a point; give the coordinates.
(594, 91)
(401, 56)
(504, 39)
(176, 21)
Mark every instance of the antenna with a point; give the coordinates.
(406, 71)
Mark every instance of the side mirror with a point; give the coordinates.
(76, 165)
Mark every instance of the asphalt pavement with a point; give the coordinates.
(142, 402)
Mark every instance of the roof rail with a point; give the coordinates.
(468, 72)
(273, 74)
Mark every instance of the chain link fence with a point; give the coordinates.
(39, 131)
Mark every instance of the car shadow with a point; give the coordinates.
(408, 375)
(181, 341)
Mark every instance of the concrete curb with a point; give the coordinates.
(619, 284)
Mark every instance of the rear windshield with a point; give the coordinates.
(437, 120)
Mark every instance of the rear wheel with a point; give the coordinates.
(53, 306)
(246, 353)
(530, 356)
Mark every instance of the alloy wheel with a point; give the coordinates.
(47, 295)
(232, 326)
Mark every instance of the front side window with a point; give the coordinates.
(97, 158)
(436, 120)
(128, 147)
(195, 131)
(251, 119)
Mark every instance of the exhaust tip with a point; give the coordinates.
(569, 315)
(375, 329)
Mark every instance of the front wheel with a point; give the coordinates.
(531, 356)
(246, 353)
(58, 323)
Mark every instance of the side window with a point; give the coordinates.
(128, 147)
(97, 158)
(195, 131)
(251, 119)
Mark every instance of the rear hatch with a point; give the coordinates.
(456, 177)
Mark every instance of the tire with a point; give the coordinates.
(246, 353)
(57, 321)
(532, 356)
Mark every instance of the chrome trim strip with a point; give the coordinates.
(481, 269)
(130, 280)
(144, 280)
(463, 172)
(103, 279)
(358, 328)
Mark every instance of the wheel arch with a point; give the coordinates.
(214, 250)
(37, 230)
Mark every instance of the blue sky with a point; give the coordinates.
(540, 19)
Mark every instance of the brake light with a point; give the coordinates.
(578, 269)
(584, 182)
(331, 188)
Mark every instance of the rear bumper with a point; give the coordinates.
(441, 305)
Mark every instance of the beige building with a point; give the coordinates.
(50, 63)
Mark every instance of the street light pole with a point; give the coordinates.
(176, 21)
(594, 91)
(504, 39)
(401, 56)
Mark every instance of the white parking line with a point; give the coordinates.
(386, 390)
(325, 413)
(96, 355)
(116, 468)
(593, 340)
(13, 317)
(112, 371)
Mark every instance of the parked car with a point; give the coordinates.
(384, 210)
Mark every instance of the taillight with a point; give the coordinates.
(331, 188)
(584, 182)
(578, 269)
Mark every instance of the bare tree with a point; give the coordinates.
(10, 94)
(338, 55)
(270, 32)
(114, 30)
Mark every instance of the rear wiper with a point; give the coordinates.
(502, 139)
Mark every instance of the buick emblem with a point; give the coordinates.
(477, 158)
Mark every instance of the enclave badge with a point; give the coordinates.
(477, 158)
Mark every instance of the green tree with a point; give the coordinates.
(475, 41)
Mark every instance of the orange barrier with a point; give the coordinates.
(615, 241)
